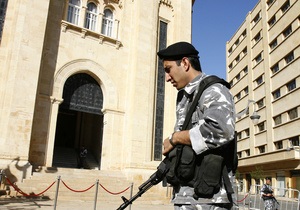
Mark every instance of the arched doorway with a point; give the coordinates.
(79, 123)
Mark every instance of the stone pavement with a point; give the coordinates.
(35, 204)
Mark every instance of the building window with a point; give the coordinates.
(275, 68)
(291, 85)
(261, 127)
(287, 31)
(285, 7)
(244, 33)
(256, 18)
(239, 154)
(294, 141)
(260, 103)
(230, 66)
(160, 94)
(237, 42)
(258, 58)
(246, 90)
(244, 51)
(278, 145)
(272, 21)
(230, 50)
(262, 149)
(259, 80)
(238, 96)
(247, 132)
(107, 23)
(238, 77)
(91, 16)
(257, 37)
(239, 135)
(276, 94)
(269, 2)
(277, 120)
(73, 11)
(3, 6)
(289, 57)
(245, 70)
(273, 44)
(293, 113)
(247, 152)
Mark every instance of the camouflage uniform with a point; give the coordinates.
(213, 125)
(269, 203)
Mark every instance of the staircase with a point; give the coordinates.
(80, 184)
(80, 180)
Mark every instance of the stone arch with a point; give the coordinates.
(95, 70)
(110, 94)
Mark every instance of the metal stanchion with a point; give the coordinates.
(96, 193)
(131, 192)
(56, 193)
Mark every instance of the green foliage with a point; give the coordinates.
(258, 173)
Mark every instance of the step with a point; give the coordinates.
(81, 180)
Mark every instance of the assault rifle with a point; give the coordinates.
(154, 179)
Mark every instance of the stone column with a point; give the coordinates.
(55, 102)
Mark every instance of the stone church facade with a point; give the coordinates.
(85, 73)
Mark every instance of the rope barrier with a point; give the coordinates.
(243, 199)
(33, 194)
(77, 190)
(113, 192)
(25, 194)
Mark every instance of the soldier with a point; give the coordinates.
(213, 121)
(267, 195)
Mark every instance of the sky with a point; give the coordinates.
(214, 23)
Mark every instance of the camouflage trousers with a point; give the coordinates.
(202, 207)
(270, 204)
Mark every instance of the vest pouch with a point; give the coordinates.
(171, 176)
(186, 164)
(208, 177)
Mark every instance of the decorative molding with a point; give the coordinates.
(55, 100)
(64, 26)
(101, 38)
(166, 2)
(83, 32)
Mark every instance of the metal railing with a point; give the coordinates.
(286, 198)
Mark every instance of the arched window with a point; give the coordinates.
(91, 16)
(73, 11)
(107, 23)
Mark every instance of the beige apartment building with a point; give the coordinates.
(85, 73)
(263, 67)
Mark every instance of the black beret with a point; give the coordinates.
(177, 51)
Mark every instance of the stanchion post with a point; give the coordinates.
(96, 194)
(1, 174)
(131, 192)
(56, 192)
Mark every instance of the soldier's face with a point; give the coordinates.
(175, 74)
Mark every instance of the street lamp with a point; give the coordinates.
(254, 117)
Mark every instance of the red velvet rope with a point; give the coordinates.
(243, 198)
(112, 192)
(33, 194)
(25, 194)
(77, 190)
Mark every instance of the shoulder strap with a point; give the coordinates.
(205, 83)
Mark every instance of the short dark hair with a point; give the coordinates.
(268, 178)
(195, 63)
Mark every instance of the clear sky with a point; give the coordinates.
(214, 23)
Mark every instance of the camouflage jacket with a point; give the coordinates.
(213, 124)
